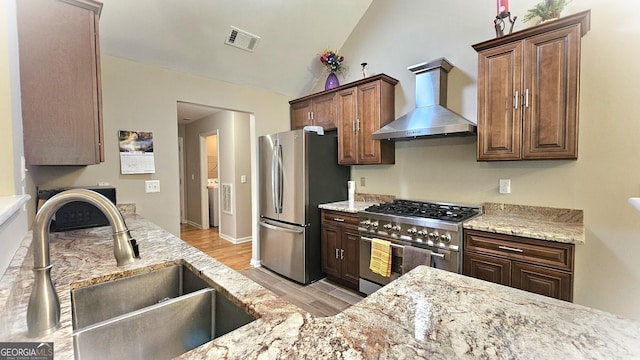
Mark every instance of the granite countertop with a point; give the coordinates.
(426, 313)
(346, 206)
(544, 223)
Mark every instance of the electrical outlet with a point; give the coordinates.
(362, 182)
(505, 186)
(152, 186)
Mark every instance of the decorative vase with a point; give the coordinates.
(332, 81)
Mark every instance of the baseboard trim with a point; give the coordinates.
(234, 240)
(195, 224)
(255, 263)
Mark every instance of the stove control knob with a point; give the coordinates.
(423, 233)
(388, 227)
(374, 225)
(365, 223)
(396, 228)
(412, 232)
(434, 236)
(445, 238)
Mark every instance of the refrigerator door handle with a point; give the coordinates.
(275, 178)
(280, 178)
(267, 225)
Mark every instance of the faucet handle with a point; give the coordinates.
(134, 245)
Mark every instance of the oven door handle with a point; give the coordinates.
(392, 244)
(433, 254)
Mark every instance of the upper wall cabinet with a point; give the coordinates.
(362, 110)
(357, 110)
(318, 110)
(60, 81)
(528, 91)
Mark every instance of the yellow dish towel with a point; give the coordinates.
(380, 257)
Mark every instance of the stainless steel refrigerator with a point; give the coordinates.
(298, 171)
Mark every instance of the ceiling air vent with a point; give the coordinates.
(242, 39)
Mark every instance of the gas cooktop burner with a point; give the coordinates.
(439, 211)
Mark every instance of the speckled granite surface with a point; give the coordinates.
(374, 198)
(362, 201)
(425, 314)
(128, 208)
(544, 223)
(345, 206)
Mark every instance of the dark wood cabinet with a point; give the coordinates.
(528, 91)
(362, 110)
(319, 110)
(356, 110)
(340, 247)
(489, 268)
(60, 81)
(538, 266)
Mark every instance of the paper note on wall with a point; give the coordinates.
(136, 152)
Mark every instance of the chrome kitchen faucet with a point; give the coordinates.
(43, 312)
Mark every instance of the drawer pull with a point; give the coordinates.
(510, 249)
(337, 253)
(338, 219)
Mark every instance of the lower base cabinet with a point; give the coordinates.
(340, 248)
(533, 265)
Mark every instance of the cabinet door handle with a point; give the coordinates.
(510, 249)
(358, 125)
(337, 252)
(526, 98)
(515, 100)
(353, 125)
(338, 219)
(341, 254)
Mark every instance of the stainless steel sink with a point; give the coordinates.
(149, 323)
(106, 300)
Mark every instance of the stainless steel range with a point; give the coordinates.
(434, 226)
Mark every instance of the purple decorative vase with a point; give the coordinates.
(332, 81)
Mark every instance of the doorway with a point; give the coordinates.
(209, 176)
(213, 183)
(231, 163)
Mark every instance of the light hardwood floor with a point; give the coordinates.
(235, 256)
(321, 298)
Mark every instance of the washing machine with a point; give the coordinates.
(214, 214)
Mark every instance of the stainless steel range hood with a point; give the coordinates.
(431, 116)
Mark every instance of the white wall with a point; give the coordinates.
(10, 111)
(396, 34)
(137, 96)
(14, 226)
(212, 157)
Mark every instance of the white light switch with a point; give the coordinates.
(243, 178)
(152, 186)
(505, 186)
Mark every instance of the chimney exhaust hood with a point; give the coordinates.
(431, 117)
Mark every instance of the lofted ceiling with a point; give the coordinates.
(189, 36)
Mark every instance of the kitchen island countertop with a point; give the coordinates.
(427, 313)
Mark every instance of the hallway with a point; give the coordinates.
(321, 298)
